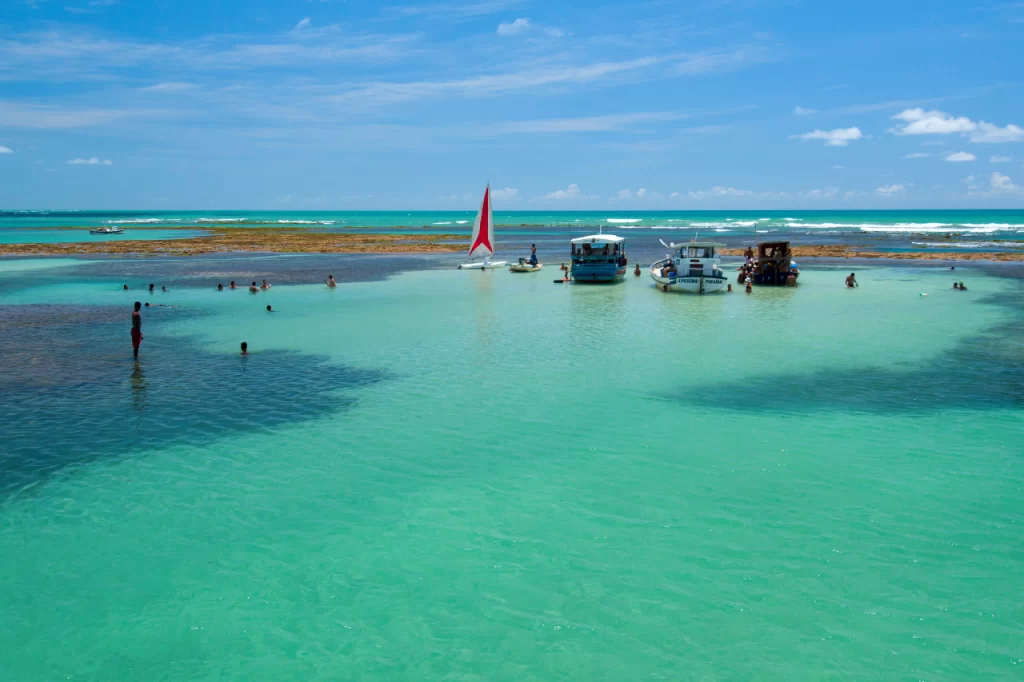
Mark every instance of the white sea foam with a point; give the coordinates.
(973, 245)
(766, 231)
(623, 221)
(461, 222)
(925, 228)
(999, 226)
(443, 223)
(221, 220)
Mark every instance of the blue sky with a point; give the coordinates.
(343, 104)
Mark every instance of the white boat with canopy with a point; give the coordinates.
(482, 242)
(694, 267)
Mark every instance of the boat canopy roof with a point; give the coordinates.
(599, 239)
(701, 244)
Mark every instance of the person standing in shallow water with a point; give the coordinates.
(136, 328)
(851, 281)
(245, 348)
(330, 281)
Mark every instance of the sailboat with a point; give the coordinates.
(482, 242)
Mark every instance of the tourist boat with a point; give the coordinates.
(107, 230)
(524, 265)
(482, 241)
(598, 258)
(694, 267)
(772, 266)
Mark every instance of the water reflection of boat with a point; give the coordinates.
(694, 268)
(107, 230)
(598, 258)
(772, 266)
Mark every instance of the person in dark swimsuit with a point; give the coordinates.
(136, 328)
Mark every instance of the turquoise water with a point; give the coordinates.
(469, 475)
(925, 228)
(38, 236)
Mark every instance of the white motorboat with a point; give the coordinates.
(107, 230)
(482, 241)
(524, 265)
(694, 268)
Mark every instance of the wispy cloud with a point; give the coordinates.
(303, 23)
(169, 87)
(1002, 183)
(840, 137)
(584, 124)
(996, 158)
(720, 191)
(489, 85)
(23, 115)
(91, 161)
(916, 155)
(802, 111)
(460, 10)
(6, 150)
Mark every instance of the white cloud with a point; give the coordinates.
(641, 193)
(571, 192)
(91, 161)
(514, 28)
(960, 157)
(674, 195)
(917, 155)
(840, 137)
(825, 193)
(803, 111)
(1002, 183)
(6, 150)
(1000, 159)
(988, 132)
(505, 193)
(921, 122)
(891, 190)
(625, 194)
(554, 32)
(302, 24)
(838, 167)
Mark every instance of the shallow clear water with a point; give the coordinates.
(488, 476)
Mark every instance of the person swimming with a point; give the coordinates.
(269, 309)
(151, 287)
(728, 288)
(220, 287)
(962, 287)
(245, 348)
(264, 285)
(163, 289)
(253, 289)
(851, 281)
(636, 270)
(330, 281)
(126, 287)
(750, 286)
(232, 285)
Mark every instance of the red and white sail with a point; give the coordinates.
(483, 229)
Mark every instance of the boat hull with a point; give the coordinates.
(516, 267)
(597, 273)
(492, 265)
(691, 284)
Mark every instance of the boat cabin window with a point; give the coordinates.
(701, 252)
